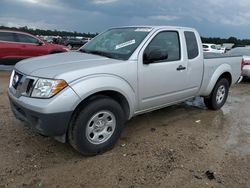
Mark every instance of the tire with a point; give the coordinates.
(218, 96)
(97, 126)
(246, 78)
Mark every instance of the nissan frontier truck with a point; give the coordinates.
(85, 97)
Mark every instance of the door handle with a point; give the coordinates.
(180, 68)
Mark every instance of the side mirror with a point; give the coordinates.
(40, 43)
(155, 55)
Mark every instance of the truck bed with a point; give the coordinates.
(214, 64)
(216, 55)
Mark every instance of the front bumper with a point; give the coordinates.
(49, 117)
(55, 124)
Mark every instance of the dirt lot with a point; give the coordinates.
(173, 147)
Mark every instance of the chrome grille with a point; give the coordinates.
(21, 84)
(16, 79)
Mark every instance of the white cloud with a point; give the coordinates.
(104, 1)
(49, 4)
(242, 19)
(164, 17)
(220, 12)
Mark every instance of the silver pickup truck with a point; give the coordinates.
(85, 97)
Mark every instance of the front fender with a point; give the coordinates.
(92, 84)
(212, 78)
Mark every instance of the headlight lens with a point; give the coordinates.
(46, 88)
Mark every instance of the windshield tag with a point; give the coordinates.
(122, 45)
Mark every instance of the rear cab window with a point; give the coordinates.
(192, 44)
(7, 36)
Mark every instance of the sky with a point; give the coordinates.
(212, 18)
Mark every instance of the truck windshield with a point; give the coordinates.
(118, 43)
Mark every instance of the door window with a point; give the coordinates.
(166, 40)
(26, 39)
(6, 36)
(192, 45)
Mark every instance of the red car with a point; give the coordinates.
(15, 46)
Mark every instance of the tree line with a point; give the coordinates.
(50, 32)
(214, 40)
(233, 40)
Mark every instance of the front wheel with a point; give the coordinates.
(97, 126)
(218, 96)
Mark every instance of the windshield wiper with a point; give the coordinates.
(105, 54)
(84, 51)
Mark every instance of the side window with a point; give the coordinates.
(192, 45)
(166, 40)
(6, 36)
(26, 38)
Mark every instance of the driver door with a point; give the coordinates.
(162, 82)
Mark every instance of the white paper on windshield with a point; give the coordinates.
(143, 29)
(122, 45)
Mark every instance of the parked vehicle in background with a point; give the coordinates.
(49, 39)
(238, 45)
(245, 52)
(15, 46)
(228, 46)
(86, 96)
(212, 48)
(73, 43)
(221, 48)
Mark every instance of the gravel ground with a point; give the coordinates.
(185, 145)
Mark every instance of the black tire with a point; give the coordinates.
(211, 102)
(77, 134)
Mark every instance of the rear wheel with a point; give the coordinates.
(218, 96)
(97, 126)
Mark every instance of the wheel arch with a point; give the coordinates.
(115, 95)
(223, 71)
(227, 76)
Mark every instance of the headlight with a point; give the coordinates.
(46, 88)
(11, 78)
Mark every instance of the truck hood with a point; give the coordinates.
(62, 65)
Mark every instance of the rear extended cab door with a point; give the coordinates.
(195, 61)
(174, 79)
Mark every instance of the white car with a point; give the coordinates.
(212, 48)
(245, 52)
